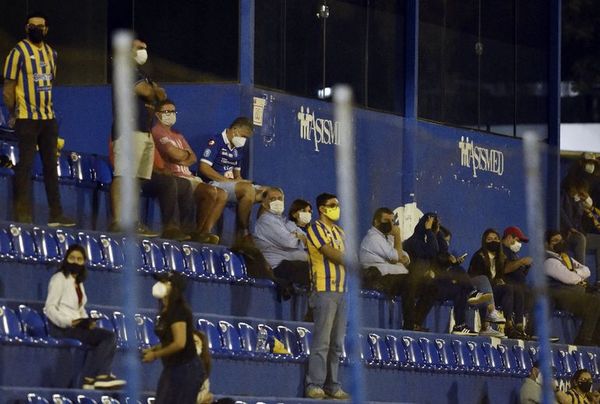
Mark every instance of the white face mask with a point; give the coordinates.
(304, 217)
(576, 198)
(159, 290)
(141, 56)
(168, 120)
(516, 247)
(589, 202)
(276, 207)
(589, 168)
(238, 141)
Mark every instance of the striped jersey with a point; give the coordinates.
(34, 70)
(326, 276)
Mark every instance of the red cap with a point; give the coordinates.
(515, 232)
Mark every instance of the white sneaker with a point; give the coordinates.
(462, 329)
(476, 298)
(495, 317)
(490, 332)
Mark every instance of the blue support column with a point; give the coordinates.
(246, 42)
(554, 56)
(411, 90)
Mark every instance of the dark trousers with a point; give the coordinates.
(454, 285)
(175, 198)
(293, 271)
(44, 134)
(180, 383)
(583, 305)
(512, 301)
(101, 343)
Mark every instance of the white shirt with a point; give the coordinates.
(62, 303)
(556, 269)
(377, 250)
(275, 236)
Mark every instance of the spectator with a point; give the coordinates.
(567, 288)
(65, 309)
(581, 389)
(300, 213)
(183, 373)
(281, 241)
(531, 389)
(489, 261)
(221, 163)
(147, 94)
(328, 301)
(174, 158)
(201, 343)
(29, 73)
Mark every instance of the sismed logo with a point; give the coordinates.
(320, 131)
(480, 158)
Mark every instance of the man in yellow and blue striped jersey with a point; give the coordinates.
(29, 72)
(328, 301)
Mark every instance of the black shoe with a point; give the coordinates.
(515, 333)
(175, 233)
(61, 221)
(108, 382)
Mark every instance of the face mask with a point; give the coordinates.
(304, 217)
(576, 198)
(333, 213)
(585, 386)
(560, 247)
(589, 168)
(276, 207)
(35, 35)
(168, 120)
(589, 201)
(516, 247)
(385, 227)
(492, 246)
(159, 290)
(238, 141)
(141, 56)
(74, 269)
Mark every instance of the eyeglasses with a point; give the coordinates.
(169, 112)
(334, 205)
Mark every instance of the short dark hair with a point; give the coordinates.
(578, 374)
(242, 121)
(323, 198)
(551, 233)
(380, 212)
(298, 204)
(37, 14)
(163, 103)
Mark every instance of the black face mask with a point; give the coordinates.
(74, 269)
(35, 35)
(560, 247)
(585, 386)
(385, 227)
(492, 246)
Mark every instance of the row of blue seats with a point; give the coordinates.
(34, 398)
(106, 252)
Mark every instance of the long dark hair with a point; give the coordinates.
(175, 301)
(81, 277)
(499, 258)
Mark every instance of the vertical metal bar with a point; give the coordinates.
(515, 67)
(125, 105)
(411, 88)
(345, 162)
(554, 77)
(246, 42)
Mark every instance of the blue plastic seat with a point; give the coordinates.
(34, 327)
(248, 338)
(381, 353)
(480, 362)
(60, 399)
(174, 258)
(568, 362)
(304, 340)
(47, 245)
(33, 398)
(65, 172)
(112, 251)
(464, 357)
(10, 327)
(65, 240)
(414, 354)
(82, 399)
(7, 253)
(511, 365)
(23, 244)
(234, 266)
(93, 251)
(213, 264)
(145, 332)
(231, 339)
(108, 400)
(82, 168)
(290, 342)
(397, 350)
(212, 335)
(120, 329)
(194, 262)
(103, 173)
(494, 359)
(523, 359)
(153, 257)
(103, 321)
(430, 354)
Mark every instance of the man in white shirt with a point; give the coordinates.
(567, 288)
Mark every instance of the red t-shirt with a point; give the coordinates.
(163, 137)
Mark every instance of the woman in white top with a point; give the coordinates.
(65, 309)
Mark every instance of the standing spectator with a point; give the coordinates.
(328, 301)
(282, 243)
(174, 158)
(147, 94)
(581, 389)
(65, 309)
(29, 73)
(183, 372)
(300, 213)
(221, 163)
(567, 288)
(489, 261)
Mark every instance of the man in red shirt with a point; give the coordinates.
(174, 156)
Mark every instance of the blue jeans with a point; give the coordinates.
(329, 313)
(180, 383)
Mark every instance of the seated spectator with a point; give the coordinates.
(489, 261)
(581, 389)
(567, 288)
(300, 213)
(531, 389)
(221, 164)
(175, 156)
(281, 241)
(574, 200)
(67, 318)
